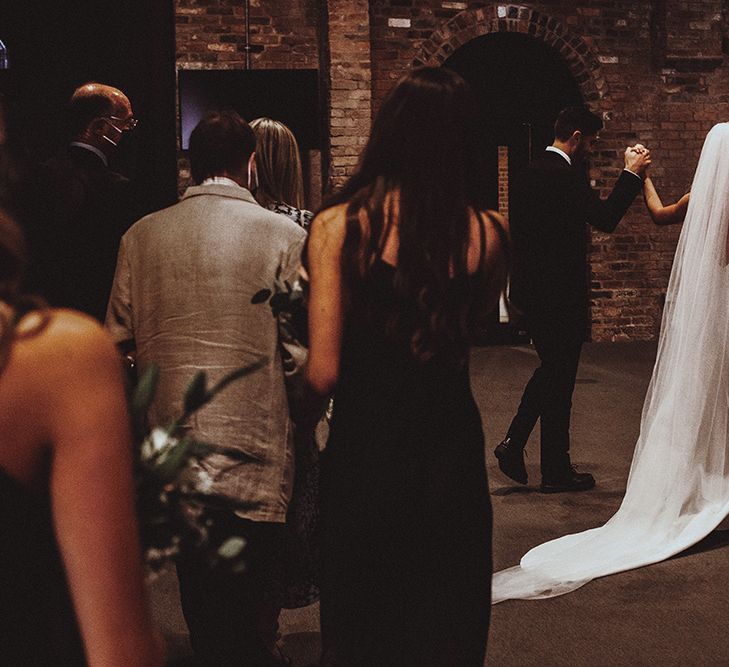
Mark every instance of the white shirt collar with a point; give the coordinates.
(559, 151)
(220, 180)
(93, 149)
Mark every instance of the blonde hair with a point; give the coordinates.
(278, 163)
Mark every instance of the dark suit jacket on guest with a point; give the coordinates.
(552, 203)
(78, 211)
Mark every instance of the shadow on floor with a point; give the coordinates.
(717, 539)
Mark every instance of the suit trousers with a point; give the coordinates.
(222, 608)
(558, 339)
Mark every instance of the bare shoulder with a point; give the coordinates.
(328, 229)
(495, 237)
(494, 218)
(69, 341)
(331, 221)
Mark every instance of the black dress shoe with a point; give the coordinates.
(571, 481)
(511, 460)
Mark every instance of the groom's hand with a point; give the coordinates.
(637, 159)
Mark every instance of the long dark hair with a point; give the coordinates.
(13, 302)
(422, 157)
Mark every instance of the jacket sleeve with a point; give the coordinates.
(605, 214)
(119, 320)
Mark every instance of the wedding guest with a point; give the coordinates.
(280, 189)
(182, 297)
(553, 204)
(78, 207)
(70, 561)
(278, 161)
(401, 262)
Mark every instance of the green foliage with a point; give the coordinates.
(173, 489)
(196, 392)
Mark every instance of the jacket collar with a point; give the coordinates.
(220, 191)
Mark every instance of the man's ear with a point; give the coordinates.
(576, 137)
(97, 126)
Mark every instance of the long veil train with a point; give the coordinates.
(678, 487)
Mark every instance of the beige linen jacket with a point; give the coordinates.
(182, 293)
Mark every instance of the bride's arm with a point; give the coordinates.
(663, 215)
(93, 497)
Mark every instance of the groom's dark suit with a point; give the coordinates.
(552, 202)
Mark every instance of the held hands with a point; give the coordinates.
(637, 159)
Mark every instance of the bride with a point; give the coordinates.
(678, 486)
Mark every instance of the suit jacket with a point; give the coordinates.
(551, 204)
(182, 293)
(79, 210)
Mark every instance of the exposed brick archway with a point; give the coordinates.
(469, 24)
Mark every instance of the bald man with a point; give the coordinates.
(81, 207)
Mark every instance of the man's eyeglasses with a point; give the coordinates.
(124, 124)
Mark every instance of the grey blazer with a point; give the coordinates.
(182, 294)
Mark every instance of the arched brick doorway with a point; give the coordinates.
(525, 67)
(500, 18)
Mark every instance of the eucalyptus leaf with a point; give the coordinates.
(196, 392)
(144, 392)
(279, 300)
(176, 459)
(236, 375)
(261, 296)
(198, 449)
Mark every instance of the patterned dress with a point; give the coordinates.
(298, 583)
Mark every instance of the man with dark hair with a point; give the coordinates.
(182, 298)
(78, 208)
(552, 203)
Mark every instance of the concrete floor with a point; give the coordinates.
(672, 613)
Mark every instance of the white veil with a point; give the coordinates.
(678, 487)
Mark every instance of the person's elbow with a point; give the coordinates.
(322, 379)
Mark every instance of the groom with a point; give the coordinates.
(553, 201)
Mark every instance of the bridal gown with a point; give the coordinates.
(678, 487)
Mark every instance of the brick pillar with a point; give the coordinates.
(503, 178)
(504, 181)
(350, 84)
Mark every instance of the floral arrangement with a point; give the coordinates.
(172, 490)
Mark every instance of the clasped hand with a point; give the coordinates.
(637, 159)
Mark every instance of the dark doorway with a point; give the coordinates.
(522, 85)
(53, 46)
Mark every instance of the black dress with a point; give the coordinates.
(406, 514)
(37, 621)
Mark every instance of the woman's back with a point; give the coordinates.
(404, 486)
(399, 268)
(71, 550)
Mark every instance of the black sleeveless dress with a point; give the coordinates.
(37, 621)
(406, 513)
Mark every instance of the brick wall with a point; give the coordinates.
(210, 34)
(655, 68)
